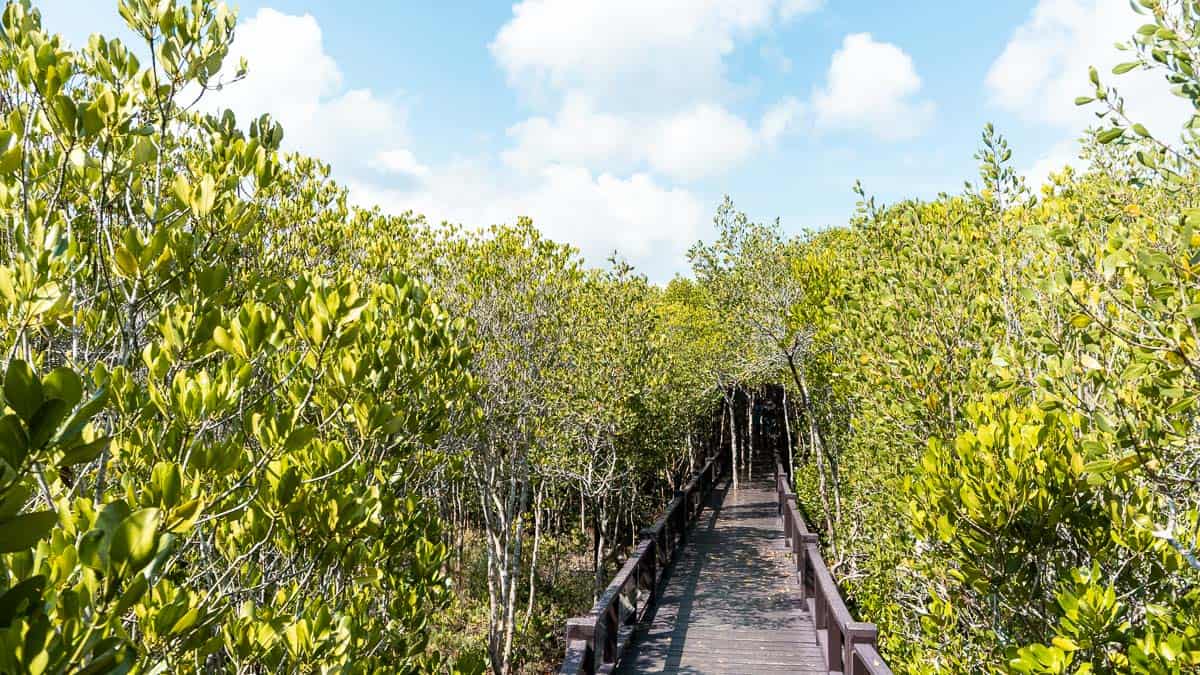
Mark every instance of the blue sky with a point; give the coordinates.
(620, 124)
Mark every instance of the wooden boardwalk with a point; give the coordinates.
(731, 602)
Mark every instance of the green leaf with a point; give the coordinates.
(22, 390)
(84, 414)
(15, 498)
(93, 549)
(168, 482)
(204, 197)
(63, 383)
(144, 151)
(45, 422)
(21, 600)
(134, 592)
(1122, 68)
(85, 453)
(127, 264)
(182, 190)
(14, 443)
(299, 438)
(226, 342)
(10, 159)
(111, 516)
(288, 483)
(134, 541)
(24, 531)
(1106, 137)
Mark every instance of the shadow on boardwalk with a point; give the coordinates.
(730, 604)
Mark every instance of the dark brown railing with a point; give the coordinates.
(847, 645)
(595, 641)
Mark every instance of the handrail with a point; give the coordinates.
(847, 645)
(595, 641)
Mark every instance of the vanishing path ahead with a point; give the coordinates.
(731, 603)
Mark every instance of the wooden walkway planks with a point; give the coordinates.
(730, 603)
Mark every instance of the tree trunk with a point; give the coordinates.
(598, 580)
(533, 558)
(787, 439)
(733, 444)
(833, 516)
(749, 436)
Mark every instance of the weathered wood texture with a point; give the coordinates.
(726, 581)
(597, 640)
(730, 603)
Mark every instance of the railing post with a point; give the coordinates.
(680, 517)
(648, 570)
(582, 629)
(858, 633)
(800, 544)
(833, 642)
(611, 622)
(820, 606)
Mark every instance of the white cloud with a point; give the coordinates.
(698, 141)
(640, 85)
(791, 8)
(365, 138)
(577, 134)
(646, 53)
(780, 118)
(1044, 67)
(1058, 157)
(650, 224)
(872, 86)
(399, 161)
(292, 78)
(701, 141)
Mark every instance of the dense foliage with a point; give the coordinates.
(248, 427)
(996, 395)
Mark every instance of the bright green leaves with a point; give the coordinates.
(22, 390)
(133, 543)
(1093, 620)
(11, 152)
(993, 496)
(45, 419)
(199, 197)
(255, 326)
(1110, 135)
(63, 384)
(1039, 659)
(138, 255)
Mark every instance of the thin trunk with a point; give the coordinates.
(749, 457)
(833, 517)
(511, 573)
(787, 439)
(733, 444)
(598, 555)
(533, 560)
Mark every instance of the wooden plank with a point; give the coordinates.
(730, 603)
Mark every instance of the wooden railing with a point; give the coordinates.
(847, 645)
(595, 641)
